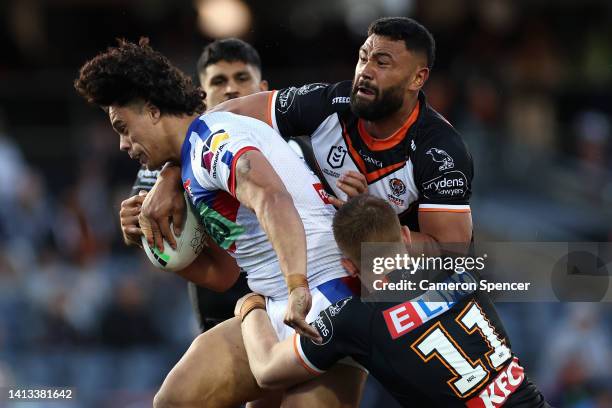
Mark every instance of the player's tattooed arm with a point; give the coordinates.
(259, 188)
(214, 268)
(274, 365)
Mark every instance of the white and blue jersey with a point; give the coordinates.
(212, 147)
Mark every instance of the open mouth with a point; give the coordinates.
(365, 91)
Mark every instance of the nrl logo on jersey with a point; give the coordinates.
(440, 156)
(336, 156)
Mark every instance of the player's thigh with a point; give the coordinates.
(214, 372)
(340, 387)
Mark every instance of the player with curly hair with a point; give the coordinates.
(241, 180)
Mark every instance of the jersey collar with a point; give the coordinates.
(375, 144)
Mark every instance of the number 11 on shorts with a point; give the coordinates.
(467, 374)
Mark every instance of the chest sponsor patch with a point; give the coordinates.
(450, 184)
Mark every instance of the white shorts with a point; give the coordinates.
(323, 296)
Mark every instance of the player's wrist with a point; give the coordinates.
(296, 280)
(251, 303)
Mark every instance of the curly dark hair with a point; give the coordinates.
(131, 72)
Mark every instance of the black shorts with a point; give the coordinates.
(212, 308)
(468, 338)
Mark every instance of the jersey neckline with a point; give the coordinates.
(397, 137)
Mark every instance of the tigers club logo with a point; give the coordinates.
(440, 156)
(397, 187)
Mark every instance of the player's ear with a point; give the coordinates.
(263, 85)
(153, 112)
(406, 235)
(420, 77)
(350, 266)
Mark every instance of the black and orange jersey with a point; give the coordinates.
(426, 354)
(425, 162)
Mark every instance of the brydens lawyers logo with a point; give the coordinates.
(397, 186)
(336, 156)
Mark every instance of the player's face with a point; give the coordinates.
(139, 129)
(227, 80)
(385, 75)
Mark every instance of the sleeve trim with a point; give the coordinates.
(299, 353)
(444, 208)
(232, 177)
(271, 116)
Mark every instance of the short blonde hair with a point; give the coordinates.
(365, 218)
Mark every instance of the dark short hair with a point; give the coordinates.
(416, 37)
(364, 218)
(136, 72)
(230, 50)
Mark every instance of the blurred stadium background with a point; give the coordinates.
(528, 83)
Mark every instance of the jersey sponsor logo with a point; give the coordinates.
(336, 156)
(412, 145)
(496, 393)
(206, 160)
(324, 326)
(341, 99)
(322, 193)
(306, 89)
(285, 99)
(187, 187)
(371, 160)
(440, 156)
(335, 309)
(216, 141)
(397, 186)
(450, 184)
(403, 318)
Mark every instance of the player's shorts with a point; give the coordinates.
(463, 354)
(212, 308)
(323, 296)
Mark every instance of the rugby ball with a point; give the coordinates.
(188, 245)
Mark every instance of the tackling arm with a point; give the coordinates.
(439, 228)
(255, 105)
(274, 365)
